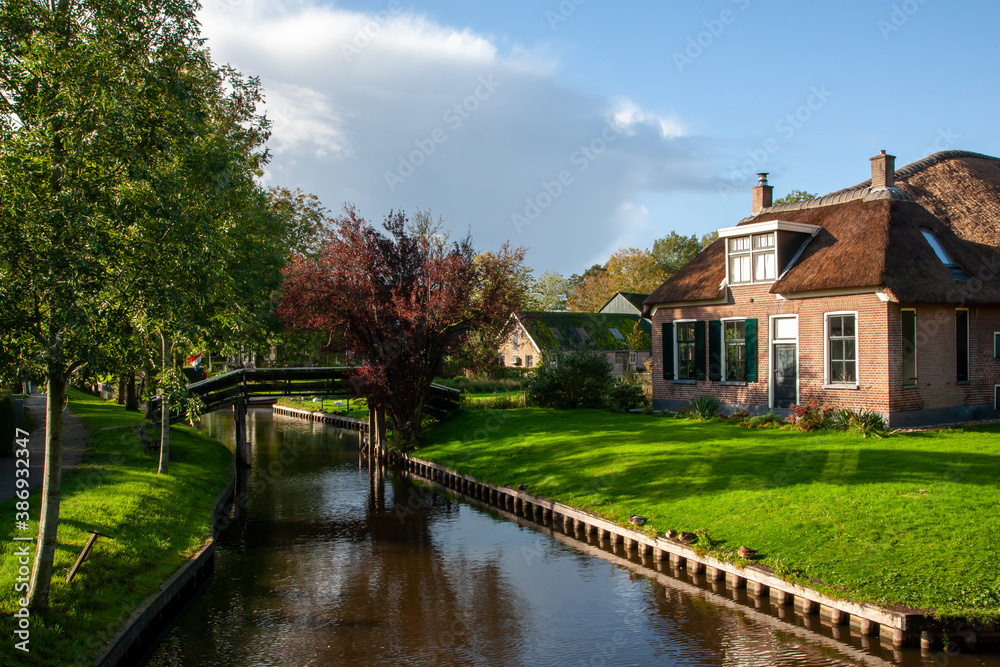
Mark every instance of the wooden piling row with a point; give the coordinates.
(895, 628)
(333, 419)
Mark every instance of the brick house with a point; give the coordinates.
(883, 296)
(541, 337)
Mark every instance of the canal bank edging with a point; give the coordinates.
(896, 628)
(333, 419)
(158, 610)
(784, 621)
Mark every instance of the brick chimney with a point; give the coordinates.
(762, 193)
(883, 170)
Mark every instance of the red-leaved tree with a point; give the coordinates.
(402, 301)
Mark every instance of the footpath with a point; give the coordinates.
(74, 445)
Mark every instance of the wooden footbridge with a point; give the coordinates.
(243, 388)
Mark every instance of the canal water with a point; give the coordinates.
(332, 563)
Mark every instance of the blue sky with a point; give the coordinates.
(582, 126)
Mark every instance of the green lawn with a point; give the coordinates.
(911, 519)
(359, 406)
(155, 522)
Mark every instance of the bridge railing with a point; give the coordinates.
(223, 391)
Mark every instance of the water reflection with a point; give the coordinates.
(336, 563)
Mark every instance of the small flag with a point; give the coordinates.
(195, 362)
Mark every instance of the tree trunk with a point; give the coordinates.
(164, 421)
(131, 395)
(120, 397)
(48, 523)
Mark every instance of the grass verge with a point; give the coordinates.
(155, 523)
(909, 520)
(358, 406)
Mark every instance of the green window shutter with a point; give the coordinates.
(699, 350)
(667, 342)
(715, 350)
(750, 336)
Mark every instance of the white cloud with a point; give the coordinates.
(394, 111)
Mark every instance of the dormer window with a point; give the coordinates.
(752, 259)
(935, 243)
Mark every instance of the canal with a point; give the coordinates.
(331, 563)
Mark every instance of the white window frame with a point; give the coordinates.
(632, 356)
(771, 342)
(916, 359)
(752, 253)
(515, 359)
(515, 342)
(528, 361)
(722, 352)
(968, 347)
(827, 384)
(677, 355)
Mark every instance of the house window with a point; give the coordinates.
(528, 361)
(763, 257)
(739, 260)
(996, 344)
(619, 358)
(935, 243)
(515, 360)
(962, 344)
(631, 357)
(500, 359)
(842, 343)
(752, 259)
(685, 351)
(514, 341)
(909, 348)
(736, 350)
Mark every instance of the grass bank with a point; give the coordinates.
(908, 520)
(155, 523)
(358, 406)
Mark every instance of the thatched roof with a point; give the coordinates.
(872, 238)
(564, 332)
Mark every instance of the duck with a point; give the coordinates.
(636, 520)
(747, 552)
(522, 487)
(671, 534)
(687, 538)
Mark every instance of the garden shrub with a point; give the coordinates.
(770, 420)
(867, 422)
(580, 380)
(811, 416)
(626, 396)
(704, 407)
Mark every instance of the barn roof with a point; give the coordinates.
(573, 332)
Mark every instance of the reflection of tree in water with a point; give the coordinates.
(337, 565)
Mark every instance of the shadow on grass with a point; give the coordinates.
(670, 459)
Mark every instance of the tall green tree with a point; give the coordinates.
(674, 250)
(548, 292)
(793, 197)
(108, 145)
